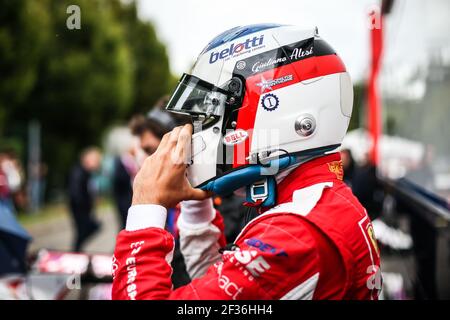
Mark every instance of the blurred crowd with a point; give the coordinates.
(362, 179)
(12, 186)
(13, 238)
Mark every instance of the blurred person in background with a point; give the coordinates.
(349, 166)
(125, 167)
(366, 188)
(12, 180)
(13, 238)
(82, 196)
(152, 127)
(4, 185)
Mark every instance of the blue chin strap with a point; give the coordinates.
(259, 179)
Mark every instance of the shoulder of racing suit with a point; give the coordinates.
(311, 249)
(335, 218)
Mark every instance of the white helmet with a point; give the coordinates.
(261, 97)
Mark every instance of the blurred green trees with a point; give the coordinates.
(24, 34)
(76, 83)
(150, 65)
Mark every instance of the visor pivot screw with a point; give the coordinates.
(215, 101)
(305, 125)
(234, 85)
(233, 124)
(216, 130)
(232, 100)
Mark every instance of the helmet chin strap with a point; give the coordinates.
(260, 180)
(248, 175)
(263, 193)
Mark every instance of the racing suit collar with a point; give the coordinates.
(322, 169)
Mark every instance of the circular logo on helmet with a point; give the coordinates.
(235, 137)
(270, 102)
(241, 65)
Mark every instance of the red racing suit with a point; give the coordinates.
(317, 243)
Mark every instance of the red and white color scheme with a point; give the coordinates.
(263, 80)
(317, 243)
(249, 85)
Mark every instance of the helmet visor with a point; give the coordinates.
(194, 96)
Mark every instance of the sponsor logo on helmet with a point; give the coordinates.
(299, 53)
(278, 57)
(266, 64)
(241, 65)
(268, 84)
(237, 48)
(235, 137)
(270, 102)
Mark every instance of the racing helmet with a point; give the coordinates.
(261, 97)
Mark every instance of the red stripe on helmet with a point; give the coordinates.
(300, 70)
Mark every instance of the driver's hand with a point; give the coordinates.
(162, 178)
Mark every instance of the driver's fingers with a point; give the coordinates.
(199, 194)
(183, 148)
(164, 141)
(173, 139)
(169, 140)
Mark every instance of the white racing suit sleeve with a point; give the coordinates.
(142, 216)
(199, 237)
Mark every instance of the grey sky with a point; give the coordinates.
(186, 26)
